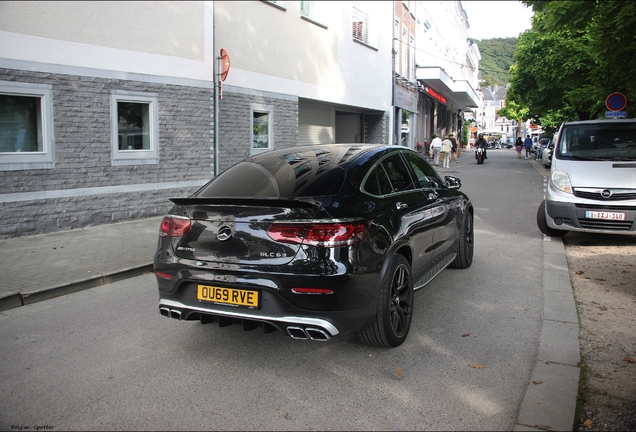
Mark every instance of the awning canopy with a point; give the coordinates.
(460, 93)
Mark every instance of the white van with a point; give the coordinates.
(592, 185)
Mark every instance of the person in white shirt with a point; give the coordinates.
(436, 145)
(447, 146)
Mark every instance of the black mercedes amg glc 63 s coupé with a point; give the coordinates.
(314, 241)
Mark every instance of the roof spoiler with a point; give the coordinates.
(303, 202)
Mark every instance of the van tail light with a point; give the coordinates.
(174, 226)
(331, 234)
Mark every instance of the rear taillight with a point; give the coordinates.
(298, 290)
(174, 226)
(332, 234)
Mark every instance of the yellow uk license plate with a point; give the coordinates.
(228, 296)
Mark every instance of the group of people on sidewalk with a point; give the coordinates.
(527, 144)
(448, 146)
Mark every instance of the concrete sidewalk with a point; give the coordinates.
(44, 266)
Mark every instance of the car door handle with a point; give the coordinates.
(401, 205)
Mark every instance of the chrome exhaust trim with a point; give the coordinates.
(164, 311)
(304, 321)
(317, 334)
(170, 313)
(296, 333)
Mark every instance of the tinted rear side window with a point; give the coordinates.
(425, 173)
(389, 176)
(378, 183)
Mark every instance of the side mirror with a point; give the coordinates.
(453, 182)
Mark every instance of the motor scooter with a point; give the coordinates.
(479, 155)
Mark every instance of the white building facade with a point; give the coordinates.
(108, 108)
(447, 69)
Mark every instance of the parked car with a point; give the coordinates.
(314, 241)
(592, 186)
(546, 154)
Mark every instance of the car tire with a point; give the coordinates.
(466, 243)
(395, 307)
(543, 224)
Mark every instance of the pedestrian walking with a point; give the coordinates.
(447, 147)
(528, 145)
(537, 151)
(454, 151)
(519, 146)
(436, 146)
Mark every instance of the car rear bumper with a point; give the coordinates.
(351, 305)
(298, 327)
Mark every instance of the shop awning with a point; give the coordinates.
(459, 93)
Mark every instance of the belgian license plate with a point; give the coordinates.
(228, 296)
(604, 215)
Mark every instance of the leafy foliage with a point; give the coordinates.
(575, 55)
(497, 55)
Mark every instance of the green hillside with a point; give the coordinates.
(497, 55)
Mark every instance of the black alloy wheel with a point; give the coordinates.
(395, 308)
(466, 243)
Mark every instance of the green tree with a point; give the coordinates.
(551, 76)
(590, 47)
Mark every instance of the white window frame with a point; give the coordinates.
(135, 157)
(32, 160)
(315, 13)
(265, 109)
(358, 14)
(405, 52)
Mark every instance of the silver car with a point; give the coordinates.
(546, 154)
(592, 185)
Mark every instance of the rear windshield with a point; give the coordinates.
(292, 175)
(612, 141)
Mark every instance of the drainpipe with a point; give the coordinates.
(215, 71)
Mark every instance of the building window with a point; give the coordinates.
(134, 124)
(405, 53)
(360, 26)
(262, 139)
(26, 126)
(314, 12)
(305, 8)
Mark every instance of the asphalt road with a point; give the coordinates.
(104, 359)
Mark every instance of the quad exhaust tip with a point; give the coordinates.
(295, 332)
(312, 333)
(170, 313)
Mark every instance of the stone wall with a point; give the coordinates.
(235, 124)
(82, 148)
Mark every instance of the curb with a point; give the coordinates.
(552, 393)
(23, 299)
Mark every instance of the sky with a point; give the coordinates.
(496, 19)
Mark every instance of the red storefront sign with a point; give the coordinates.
(432, 93)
